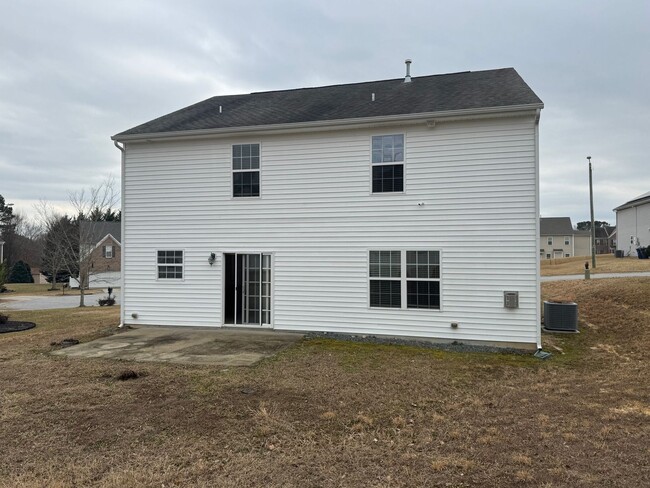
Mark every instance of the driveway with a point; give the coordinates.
(225, 347)
(35, 302)
(595, 276)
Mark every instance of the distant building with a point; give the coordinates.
(633, 224)
(558, 239)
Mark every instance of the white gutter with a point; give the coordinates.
(123, 240)
(358, 122)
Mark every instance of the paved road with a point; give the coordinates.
(595, 276)
(30, 302)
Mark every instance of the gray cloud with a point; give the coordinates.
(74, 73)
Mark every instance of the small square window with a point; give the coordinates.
(170, 265)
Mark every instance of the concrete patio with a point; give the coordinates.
(223, 347)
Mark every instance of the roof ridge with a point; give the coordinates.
(367, 82)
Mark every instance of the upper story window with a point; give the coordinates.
(549, 240)
(246, 170)
(170, 265)
(108, 252)
(388, 163)
(567, 240)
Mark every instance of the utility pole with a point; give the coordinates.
(593, 229)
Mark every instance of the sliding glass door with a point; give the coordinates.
(247, 281)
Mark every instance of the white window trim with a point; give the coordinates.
(403, 279)
(403, 163)
(232, 171)
(549, 241)
(106, 248)
(567, 240)
(182, 265)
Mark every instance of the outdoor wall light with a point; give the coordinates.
(212, 258)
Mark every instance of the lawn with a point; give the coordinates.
(43, 289)
(605, 263)
(334, 414)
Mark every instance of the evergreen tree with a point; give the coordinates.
(20, 273)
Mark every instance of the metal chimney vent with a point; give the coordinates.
(407, 78)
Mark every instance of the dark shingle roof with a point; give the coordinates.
(425, 94)
(555, 226)
(96, 231)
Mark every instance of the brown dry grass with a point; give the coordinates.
(605, 263)
(328, 413)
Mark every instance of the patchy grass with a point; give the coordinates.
(605, 263)
(333, 413)
(43, 290)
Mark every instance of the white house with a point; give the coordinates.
(633, 224)
(403, 207)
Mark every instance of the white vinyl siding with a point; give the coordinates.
(471, 194)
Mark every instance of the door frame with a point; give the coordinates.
(223, 290)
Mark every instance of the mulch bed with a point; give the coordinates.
(12, 326)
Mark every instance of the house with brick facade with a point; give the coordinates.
(105, 248)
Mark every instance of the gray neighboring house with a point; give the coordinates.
(558, 239)
(633, 224)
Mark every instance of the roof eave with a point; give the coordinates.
(341, 123)
(632, 204)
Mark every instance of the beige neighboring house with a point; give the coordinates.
(558, 239)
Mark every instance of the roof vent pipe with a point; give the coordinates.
(373, 97)
(220, 109)
(407, 79)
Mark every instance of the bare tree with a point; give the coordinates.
(73, 241)
(90, 206)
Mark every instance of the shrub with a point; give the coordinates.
(3, 277)
(21, 273)
(3, 319)
(109, 301)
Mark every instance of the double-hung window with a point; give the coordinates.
(245, 170)
(385, 279)
(108, 252)
(567, 240)
(170, 265)
(549, 240)
(388, 163)
(410, 278)
(423, 279)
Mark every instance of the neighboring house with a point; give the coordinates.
(558, 239)
(605, 239)
(404, 207)
(103, 243)
(633, 224)
(39, 278)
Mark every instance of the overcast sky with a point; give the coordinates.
(73, 73)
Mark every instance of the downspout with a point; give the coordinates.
(538, 286)
(122, 239)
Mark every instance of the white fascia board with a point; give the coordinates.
(101, 241)
(354, 123)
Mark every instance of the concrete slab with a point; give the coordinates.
(189, 345)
